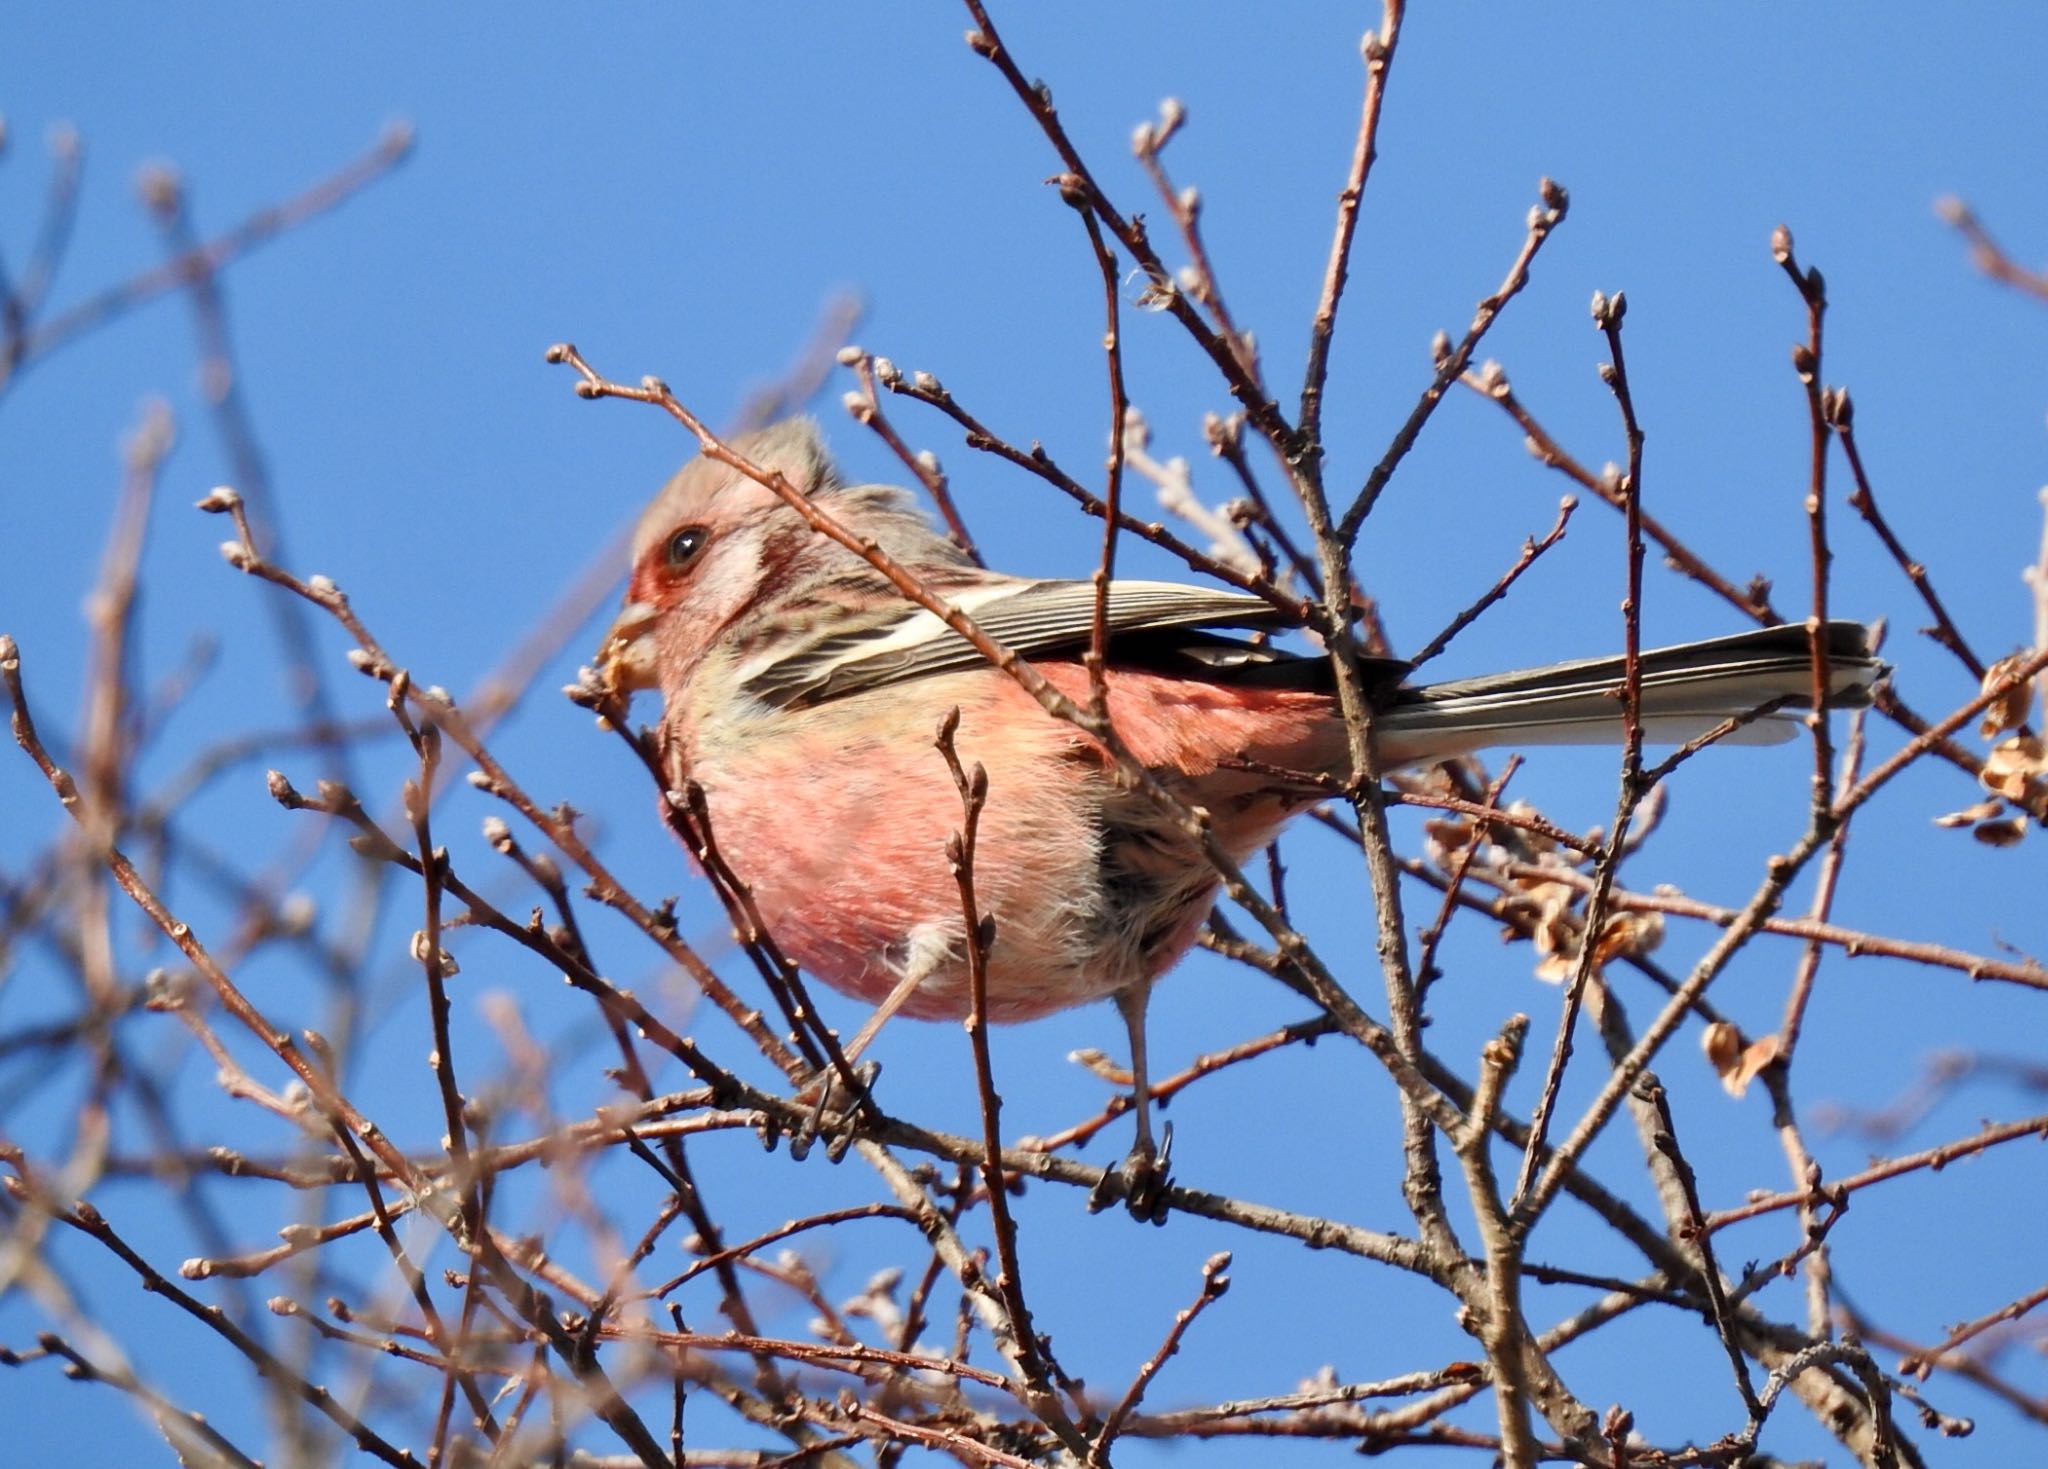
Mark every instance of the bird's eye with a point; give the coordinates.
(684, 545)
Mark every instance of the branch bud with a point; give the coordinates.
(159, 188)
(282, 791)
(421, 950)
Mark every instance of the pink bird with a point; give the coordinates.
(801, 692)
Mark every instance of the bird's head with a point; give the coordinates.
(704, 551)
(722, 561)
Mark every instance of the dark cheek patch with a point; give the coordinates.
(781, 547)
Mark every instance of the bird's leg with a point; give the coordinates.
(1142, 1178)
(826, 1091)
(1130, 1004)
(891, 1003)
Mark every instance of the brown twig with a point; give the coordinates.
(1918, 1363)
(1164, 1090)
(1842, 417)
(1035, 1363)
(370, 657)
(1451, 362)
(1129, 232)
(326, 1096)
(1754, 602)
(1214, 1284)
(866, 408)
(1377, 48)
(1185, 205)
(1608, 315)
(89, 1221)
(1482, 824)
(1987, 254)
(926, 389)
(1096, 658)
(1855, 943)
(1721, 1310)
(258, 229)
(1531, 549)
(188, 1434)
(1935, 1157)
(21, 297)
(1806, 363)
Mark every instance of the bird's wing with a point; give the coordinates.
(1033, 619)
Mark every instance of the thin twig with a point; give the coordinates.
(1987, 254)
(1377, 48)
(260, 228)
(1036, 1365)
(1531, 549)
(1214, 1284)
(1451, 362)
(1608, 315)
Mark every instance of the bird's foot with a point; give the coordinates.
(1141, 1181)
(832, 1109)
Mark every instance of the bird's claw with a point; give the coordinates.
(1141, 1181)
(832, 1109)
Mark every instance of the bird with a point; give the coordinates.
(800, 690)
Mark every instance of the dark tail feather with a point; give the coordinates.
(1686, 691)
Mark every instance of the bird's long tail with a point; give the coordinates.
(1686, 691)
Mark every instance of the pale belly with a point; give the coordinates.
(840, 817)
(840, 820)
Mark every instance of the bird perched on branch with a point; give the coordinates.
(801, 690)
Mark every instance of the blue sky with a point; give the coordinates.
(679, 190)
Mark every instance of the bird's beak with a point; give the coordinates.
(625, 660)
